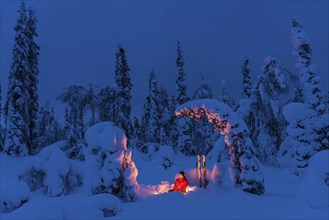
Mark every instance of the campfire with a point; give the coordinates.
(161, 188)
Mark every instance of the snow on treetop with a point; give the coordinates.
(294, 111)
(267, 60)
(106, 136)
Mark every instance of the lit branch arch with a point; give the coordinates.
(244, 169)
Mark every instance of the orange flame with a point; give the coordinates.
(190, 189)
(161, 188)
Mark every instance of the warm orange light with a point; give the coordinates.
(190, 189)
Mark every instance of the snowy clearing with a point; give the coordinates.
(280, 200)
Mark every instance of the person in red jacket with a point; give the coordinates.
(181, 183)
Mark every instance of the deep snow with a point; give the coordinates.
(280, 201)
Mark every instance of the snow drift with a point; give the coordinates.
(314, 190)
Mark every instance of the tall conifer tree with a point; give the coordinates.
(16, 111)
(267, 129)
(33, 53)
(246, 83)
(124, 87)
(181, 77)
(183, 126)
(315, 125)
(153, 130)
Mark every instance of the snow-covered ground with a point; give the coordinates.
(282, 198)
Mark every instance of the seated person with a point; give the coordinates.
(181, 183)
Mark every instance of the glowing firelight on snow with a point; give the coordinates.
(190, 189)
(161, 188)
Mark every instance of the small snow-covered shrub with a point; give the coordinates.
(50, 170)
(112, 169)
(251, 177)
(294, 113)
(103, 205)
(167, 156)
(77, 151)
(315, 188)
(13, 195)
(149, 149)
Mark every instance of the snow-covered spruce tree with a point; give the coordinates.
(184, 141)
(225, 97)
(168, 130)
(269, 124)
(326, 99)
(203, 132)
(115, 110)
(73, 130)
(310, 82)
(166, 117)
(91, 104)
(183, 125)
(294, 113)
(107, 105)
(104, 100)
(244, 166)
(315, 123)
(16, 111)
(32, 57)
(153, 131)
(2, 126)
(151, 118)
(124, 86)
(181, 77)
(246, 83)
(298, 95)
(136, 140)
(112, 168)
(145, 120)
(172, 128)
(204, 92)
(49, 129)
(75, 97)
(243, 108)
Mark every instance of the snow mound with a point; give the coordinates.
(294, 111)
(315, 187)
(106, 136)
(13, 195)
(50, 169)
(103, 205)
(167, 156)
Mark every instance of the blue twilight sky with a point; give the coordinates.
(78, 41)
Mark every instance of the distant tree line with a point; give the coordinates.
(27, 127)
